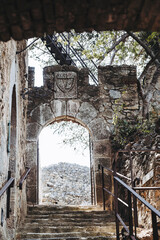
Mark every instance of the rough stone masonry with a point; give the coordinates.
(68, 95)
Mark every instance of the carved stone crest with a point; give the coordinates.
(65, 85)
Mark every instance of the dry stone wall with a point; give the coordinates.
(67, 95)
(153, 97)
(146, 167)
(13, 120)
(66, 184)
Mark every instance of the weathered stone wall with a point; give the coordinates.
(146, 167)
(13, 111)
(67, 95)
(153, 97)
(66, 184)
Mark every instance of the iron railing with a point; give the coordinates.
(132, 198)
(24, 176)
(6, 188)
(79, 58)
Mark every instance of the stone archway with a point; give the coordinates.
(67, 94)
(100, 151)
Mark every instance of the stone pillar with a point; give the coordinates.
(102, 155)
(32, 162)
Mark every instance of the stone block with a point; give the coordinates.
(115, 94)
(32, 177)
(59, 108)
(107, 182)
(86, 113)
(72, 107)
(102, 149)
(32, 195)
(65, 85)
(106, 162)
(33, 130)
(99, 129)
(42, 114)
(31, 153)
(117, 75)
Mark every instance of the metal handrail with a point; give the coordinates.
(7, 185)
(6, 188)
(146, 188)
(131, 193)
(148, 205)
(23, 178)
(83, 50)
(111, 171)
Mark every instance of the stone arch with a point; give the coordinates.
(78, 111)
(67, 93)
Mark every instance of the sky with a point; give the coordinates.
(38, 72)
(50, 151)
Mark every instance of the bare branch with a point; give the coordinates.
(155, 76)
(124, 36)
(41, 49)
(113, 56)
(146, 48)
(116, 43)
(148, 65)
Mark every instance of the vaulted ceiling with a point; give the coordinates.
(23, 19)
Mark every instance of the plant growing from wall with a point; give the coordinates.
(126, 131)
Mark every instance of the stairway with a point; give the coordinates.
(57, 50)
(67, 223)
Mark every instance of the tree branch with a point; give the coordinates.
(113, 56)
(116, 43)
(146, 48)
(124, 36)
(148, 65)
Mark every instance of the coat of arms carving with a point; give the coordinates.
(65, 85)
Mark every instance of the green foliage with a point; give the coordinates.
(127, 131)
(97, 47)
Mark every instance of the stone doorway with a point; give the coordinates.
(64, 164)
(67, 95)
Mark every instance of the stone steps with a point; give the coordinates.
(48, 222)
(67, 223)
(70, 208)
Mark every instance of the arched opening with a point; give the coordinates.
(64, 164)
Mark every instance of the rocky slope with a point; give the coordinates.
(66, 184)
